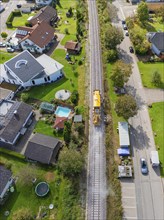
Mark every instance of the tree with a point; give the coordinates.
(67, 132)
(113, 37)
(24, 97)
(75, 97)
(156, 78)
(71, 162)
(23, 214)
(120, 73)
(126, 106)
(143, 12)
(66, 31)
(27, 174)
(160, 13)
(111, 55)
(4, 34)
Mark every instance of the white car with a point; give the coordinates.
(2, 44)
(10, 50)
(126, 33)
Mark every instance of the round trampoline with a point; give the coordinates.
(62, 94)
(42, 189)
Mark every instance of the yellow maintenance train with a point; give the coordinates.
(96, 107)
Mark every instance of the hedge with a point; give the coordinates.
(11, 17)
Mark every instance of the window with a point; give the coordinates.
(45, 79)
(33, 82)
(48, 78)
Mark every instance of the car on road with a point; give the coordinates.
(2, 44)
(125, 27)
(10, 50)
(126, 33)
(144, 167)
(131, 49)
(123, 22)
(19, 6)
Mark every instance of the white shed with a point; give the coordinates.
(123, 134)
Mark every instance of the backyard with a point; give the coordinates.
(147, 70)
(157, 119)
(21, 20)
(61, 195)
(5, 56)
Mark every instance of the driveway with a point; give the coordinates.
(154, 95)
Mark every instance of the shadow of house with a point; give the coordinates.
(43, 149)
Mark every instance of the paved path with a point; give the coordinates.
(154, 95)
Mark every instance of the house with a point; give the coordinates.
(43, 2)
(36, 39)
(59, 123)
(6, 182)
(25, 70)
(6, 94)
(14, 119)
(78, 118)
(46, 107)
(46, 14)
(73, 47)
(157, 43)
(43, 149)
(123, 134)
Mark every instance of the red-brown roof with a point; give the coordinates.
(71, 45)
(59, 122)
(41, 34)
(21, 32)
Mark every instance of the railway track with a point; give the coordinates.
(96, 189)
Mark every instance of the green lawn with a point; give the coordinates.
(157, 118)
(20, 20)
(5, 56)
(43, 128)
(68, 37)
(62, 195)
(147, 70)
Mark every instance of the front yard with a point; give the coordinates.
(147, 70)
(61, 195)
(157, 119)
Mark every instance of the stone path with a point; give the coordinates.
(154, 95)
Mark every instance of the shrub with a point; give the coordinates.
(111, 56)
(10, 20)
(24, 97)
(74, 97)
(4, 34)
(66, 31)
(156, 78)
(80, 62)
(27, 24)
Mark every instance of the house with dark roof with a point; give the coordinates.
(157, 43)
(73, 47)
(59, 123)
(14, 120)
(26, 70)
(36, 39)
(6, 182)
(46, 14)
(43, 149)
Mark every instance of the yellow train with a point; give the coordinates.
(96, 107)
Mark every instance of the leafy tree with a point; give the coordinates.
(67, 132)
(27, 174)
(160, 13)
(120, 73)
(111, 55)
(143, 12)
(156, 78)
(126, 106)
(74, 97)
(24, 97)
(4, 34)
(66, 31)
(71, 162)
(23, 214)
(70, 11)
(113, 37)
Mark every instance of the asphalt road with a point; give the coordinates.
(96, 188)
(149, 188)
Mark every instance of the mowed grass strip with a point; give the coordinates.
(147, 70)
(5, 56)
(157, 119)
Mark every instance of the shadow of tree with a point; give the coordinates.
(123, 55)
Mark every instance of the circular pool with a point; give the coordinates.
(42, 189)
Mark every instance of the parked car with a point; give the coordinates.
(10, 50)
(125, 27)
(126, 33)
(144, 167)
(123, 22)
(2, 44)
(131, 49)
(19, 6)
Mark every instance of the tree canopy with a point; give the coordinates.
(113, 37)
(143, 12)
(126, 106)
(120, 73)
(71, 162)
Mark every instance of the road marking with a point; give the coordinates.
(129, 197)
(129, 207)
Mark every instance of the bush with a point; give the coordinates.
(74, 97)
(27, 24)
(111, 56)
(24, 97)
(80, 62)
(10, 20)
(4, 34)
(17, 13)
(156, 78)
(66, 31)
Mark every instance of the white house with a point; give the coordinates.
(43, 2)
(26, 70)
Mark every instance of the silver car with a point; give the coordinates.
(144, 167)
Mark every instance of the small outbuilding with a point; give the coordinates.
(77, 118)
(43, 149)
(124, 171)
(46, 107)
(73, 47)
(123, 134)
(59, 123)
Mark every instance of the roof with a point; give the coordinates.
(5, 93)
(123, 134)
(124, 171)
(123, 151)
(158, 40)
(25, 66)
(45, 61)
(21, 32)
(96, 98)
(47, 106)
(78, 118)
(42, 148)
(5, 175)
(71, 45)
(12, 122)
(154, 157)
(59, 122)
(41, 34)
(44, 14)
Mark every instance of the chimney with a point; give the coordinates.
(15, 112)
